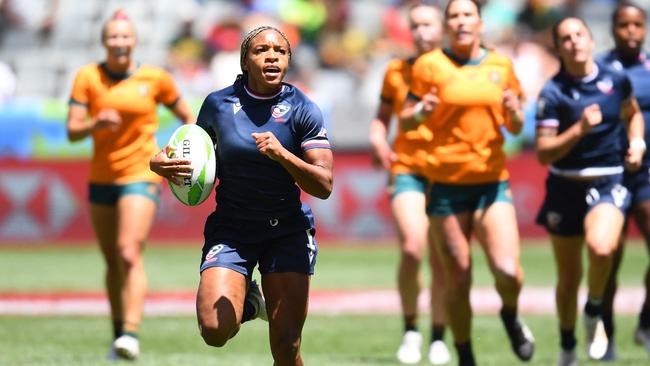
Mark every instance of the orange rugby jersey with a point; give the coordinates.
(122, 156)
(467, 141)
(408, 146)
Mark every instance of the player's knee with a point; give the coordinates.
(508, 274)
(214, 336)
(411, 255)
(600, 251)
(129, 254)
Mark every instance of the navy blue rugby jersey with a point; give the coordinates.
(560, 105)
(638, 71)
(251, 185)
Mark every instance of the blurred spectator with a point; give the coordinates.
(308, 16)
(538, 16)
(37, 16)
(187, 60)
(7, 82)
(396, 32)
(223, 44)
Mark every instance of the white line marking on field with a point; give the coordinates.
(536, 300)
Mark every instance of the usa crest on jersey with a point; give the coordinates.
(280, 110)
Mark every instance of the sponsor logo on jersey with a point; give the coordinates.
(575, 94)
(143, 90)
(280, 110)
(606, 86)
(495, 77)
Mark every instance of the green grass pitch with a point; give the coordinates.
(328, 340)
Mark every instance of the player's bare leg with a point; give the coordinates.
(136, 215)
(438, 352)
(412, 228)
(452, 234)
(286, 297)
(104, 220)
(603, 226)
(608, 298)
(496, 230)
(220, 304)
(642, 331)
(567, 251)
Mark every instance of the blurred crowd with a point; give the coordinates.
(340, 47)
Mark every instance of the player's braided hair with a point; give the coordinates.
(245, 44)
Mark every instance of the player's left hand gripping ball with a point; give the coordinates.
(191, 142)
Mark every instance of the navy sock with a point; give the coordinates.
(508, 316)
(567, 339)
(118, 328)
(437, 332)
(593, 307)
(465, 354)
(410, 323)
(644, 317)
(608, 323)
(249, 311)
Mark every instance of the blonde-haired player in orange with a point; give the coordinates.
(464, 94)
(115, 102)
(405, 161)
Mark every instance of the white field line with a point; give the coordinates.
(537, 300)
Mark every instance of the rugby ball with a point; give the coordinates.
(191, 142)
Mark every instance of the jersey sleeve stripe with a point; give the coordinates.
(173, 103)
(548, 123)
(72, 101)
(386, 100)
(316, 144)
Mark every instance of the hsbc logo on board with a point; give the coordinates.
(35, 204)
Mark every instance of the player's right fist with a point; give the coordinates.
(591, 116)
(108, 118)
(430, 100)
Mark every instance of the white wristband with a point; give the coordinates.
(638, 143)
(418, 112)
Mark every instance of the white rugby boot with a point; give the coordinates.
(567, 358)
(439, 353)
(127, 347)
(642, 337)
(409, 351)
(595, 337)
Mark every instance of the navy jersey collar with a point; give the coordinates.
(585, 79)
(263, 97)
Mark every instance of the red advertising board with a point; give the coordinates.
(46, 201)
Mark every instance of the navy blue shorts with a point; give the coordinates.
(639, 185)
(277, 245)
(567, 202)
(108, 194)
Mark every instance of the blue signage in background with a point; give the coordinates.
(34, 129)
